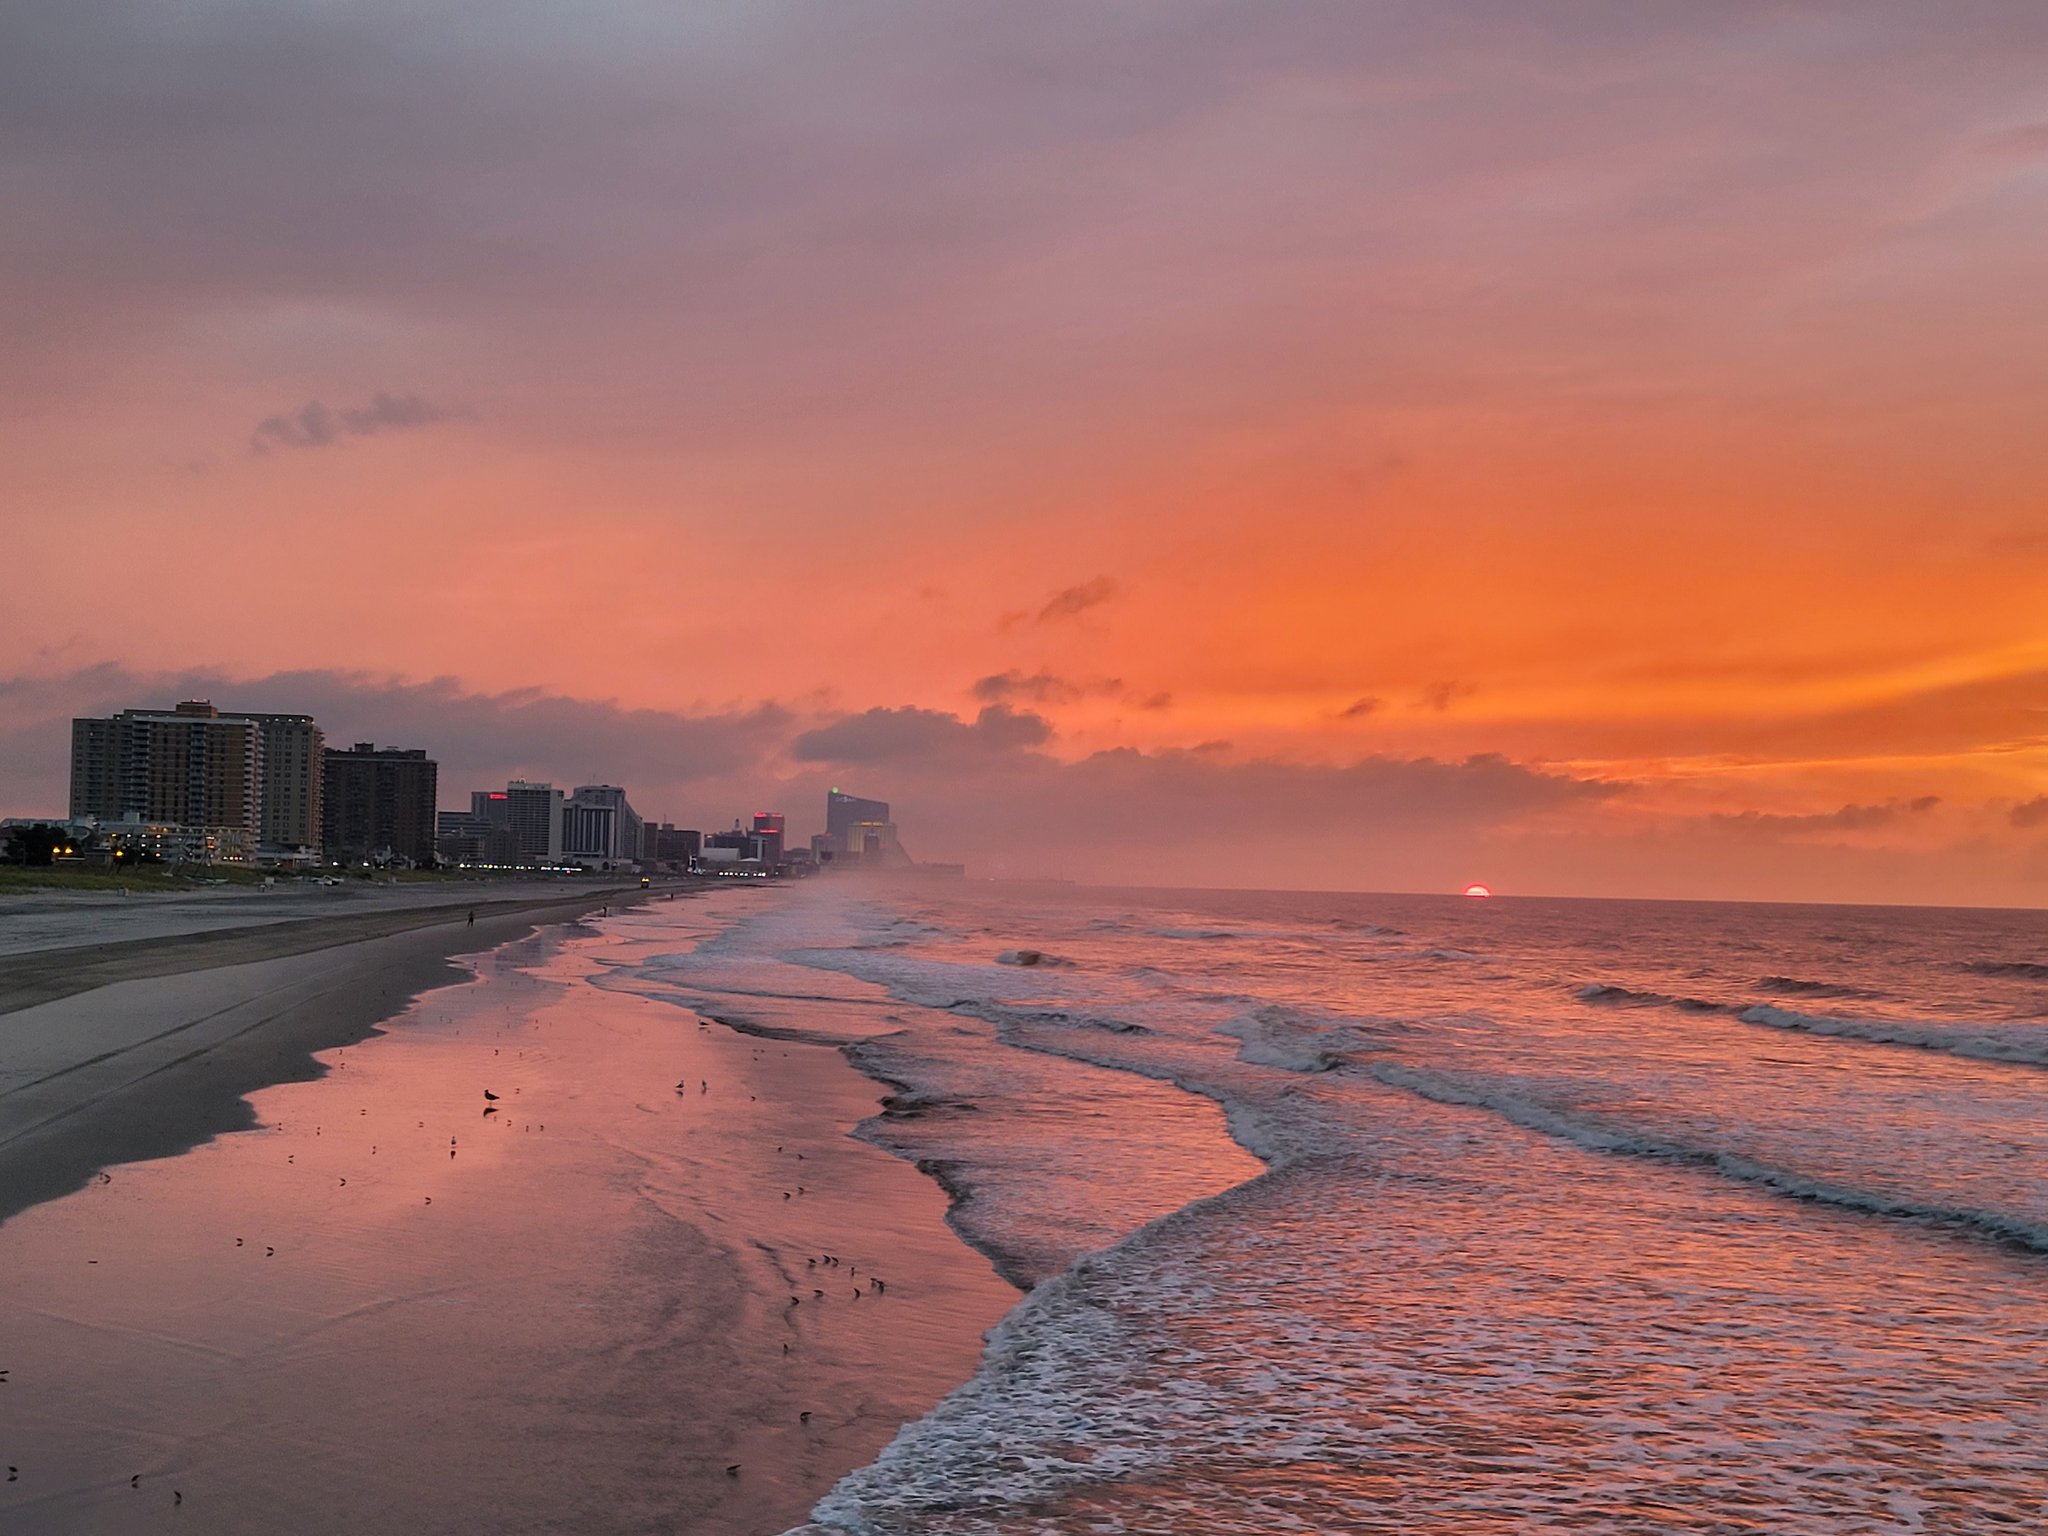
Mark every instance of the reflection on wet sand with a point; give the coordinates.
(382, 1311)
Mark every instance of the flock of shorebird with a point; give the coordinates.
(875, 1285)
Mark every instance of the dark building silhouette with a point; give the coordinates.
(859, 831)
(768, 829)
(379, 801)
(679, 845)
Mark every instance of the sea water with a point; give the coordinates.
(1364, 1213)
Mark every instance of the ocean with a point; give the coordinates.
(1398, 1213)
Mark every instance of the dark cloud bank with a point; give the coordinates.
(314, 425)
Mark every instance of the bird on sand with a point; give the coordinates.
(804, 1417)
(733, 1470)
(488, 1094)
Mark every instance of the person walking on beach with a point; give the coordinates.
(472, 919)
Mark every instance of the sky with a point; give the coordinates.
(1590, 448)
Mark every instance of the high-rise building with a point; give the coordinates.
(768, 828)
(96, 769)
(859, 831)
(606, 825)
(679, 845)
(534, 812)
(249, 778)
(379, 802)
(191, 767)
(589, 831)
(294, 781)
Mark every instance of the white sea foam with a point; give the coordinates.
(1433, 1123)
(1297, 1041)
(2019, 1043)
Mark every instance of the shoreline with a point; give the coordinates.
(622, 1305)
(230, 1011)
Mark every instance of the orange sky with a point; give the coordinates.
(1649, 398)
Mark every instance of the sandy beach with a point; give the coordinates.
(637, 1295)
(135, 1028)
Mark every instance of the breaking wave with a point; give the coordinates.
(1799, 986)
(1533, 1115)
(1613, 995)
(2031, 970)
(2020, 1043)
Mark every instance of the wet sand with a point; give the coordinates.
(56, 945)
(576, 1322)
(138, 1048)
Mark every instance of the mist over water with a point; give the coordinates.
(1379, 1213)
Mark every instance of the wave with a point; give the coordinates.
(2032, 970)
(1546, 1119)
(2023, 1044)
(1614, 995)
(1799, 986)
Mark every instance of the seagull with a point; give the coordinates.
(488, 1094)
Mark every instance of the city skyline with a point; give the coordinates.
(262, 788)
(1364, 447)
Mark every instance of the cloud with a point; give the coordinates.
(1043, 687)
(1440, 696)
(2031, 813)
(1850, 818)
(923, 736)
(1358, 709)
(1075, 600)
(313, 425)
